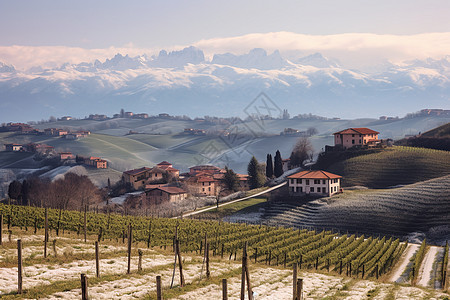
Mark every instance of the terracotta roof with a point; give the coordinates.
(205, 179)
(137, 171)
(315, 175)
(171, 169)
(362, 130)
(164, 163)
(170, 190)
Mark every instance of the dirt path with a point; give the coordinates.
(403, 263)
(426, 267)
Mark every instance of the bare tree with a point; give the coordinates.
(302, 151)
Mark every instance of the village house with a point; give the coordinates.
(13, 147)
(167, 166)
(66, 156)
(55, 132)
(96, 162)
(200, 185)
(163, 194)
(128, 114)
(203, 168)
(38, 148)
(19, 128)
(318, 183)
(356, 137)
(66, 118)
(141, 116)
(139, 178)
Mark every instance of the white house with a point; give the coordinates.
(320, 183)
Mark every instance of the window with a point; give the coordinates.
(203, 189)
(292, 181)
(311, 189)
(360, 141)
(307, 181)
(299, 181)
(209, 189)
(353, 135)
(323, 181)
(300, 189)
(324, 190)
(293, 189)
(316, 181)
(353, 142)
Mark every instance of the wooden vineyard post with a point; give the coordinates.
(224, 289)
(256, 255)
(294, 280)
(130, 239)
(362, 272)
(301, 260)
(85, 223)
(97, 263)
(299, 289)
(19, 266)
(158, 288)
(35, 225)
(45, 232)
(245, 275)
(177, 246)
(1, 230)
(317, 262)
(285, 257)
(221, 253)
(340, 267)
(54, 247)
(140, 260)
(208, 274)
(84, 287)
(149, 234)
(376, 271)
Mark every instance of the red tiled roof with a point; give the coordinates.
(164, 163)
(170, 190)
(315, 175)
(205, 179)
(361, 130)
(136, 171)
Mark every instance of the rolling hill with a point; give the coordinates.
(421, 207)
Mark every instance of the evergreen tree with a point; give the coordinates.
(278, 165)
(15, 190)
(122, 113)
(269, 166)
(230, 180)
(25, 192)
(256, 175)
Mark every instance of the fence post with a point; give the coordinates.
(208, 274)
(158, 288)
(19, 266)
(84, 287)
(299, 289)
(97, 263)
(224, 289)
(85, 223)
(140, 260)
(294, 280)
(130, 238)
(177, 244)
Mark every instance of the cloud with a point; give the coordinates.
(352, 49)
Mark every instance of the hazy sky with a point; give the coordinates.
(148, 24)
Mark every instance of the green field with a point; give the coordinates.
(393, 166)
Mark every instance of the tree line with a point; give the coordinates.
(71, 191)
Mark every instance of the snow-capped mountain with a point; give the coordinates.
(183, 82)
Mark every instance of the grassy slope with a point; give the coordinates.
(439, 132)
(393, 166)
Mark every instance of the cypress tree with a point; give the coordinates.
(256, 175)
(269, 166)
(278, 165)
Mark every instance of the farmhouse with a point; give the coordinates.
(96, 162)
(165, 194)
(13, 147)
(320, 183)
(139, 178)
(66, 156)
(355, 137)
(202, 185)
